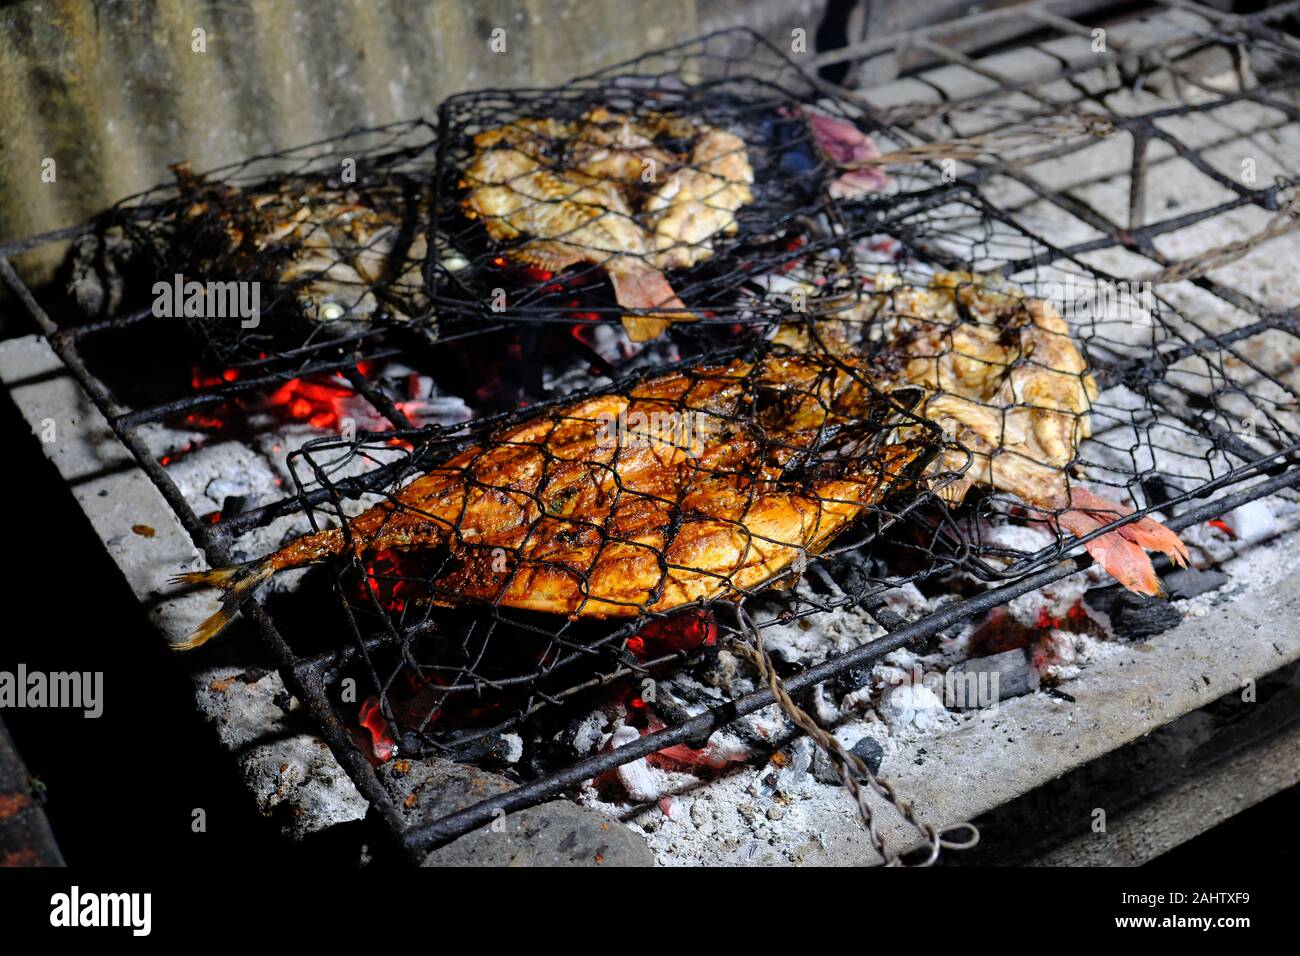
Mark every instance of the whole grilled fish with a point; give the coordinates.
(344, 253)
(609, 190)
(696, 485)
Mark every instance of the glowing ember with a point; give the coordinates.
(714, 755)
(999, 631)
(319, 401)
(381, 742)
(176, 453)
(200, 379)
(391, 581)
(680, 632)
(419, 706)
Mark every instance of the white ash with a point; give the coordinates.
(282, 763)
(637, 777)
(909, 707)
(1254, 521)
(731, 674)
(812, 639)
(1024, 538)
(514, 748)
(590, 733)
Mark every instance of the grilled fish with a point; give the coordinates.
(701, 484)
(344, 252)
(1005, 380)
(591, 191)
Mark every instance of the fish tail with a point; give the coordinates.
(1122, 553)
(238, 581)
(646, 289)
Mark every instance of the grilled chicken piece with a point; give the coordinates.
(575, 218)
(585, 192)
(1003, 378)
(614, 147)
(703, 484)
(700, 201)
(343, 252)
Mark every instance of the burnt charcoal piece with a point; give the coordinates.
(488, 749)
(869, 752)
(1144, 617)
(1188, 582)
(1014, 672)
(1135, 617)
(867, 749)
(852, 679)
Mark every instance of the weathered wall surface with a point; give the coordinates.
(113, 90)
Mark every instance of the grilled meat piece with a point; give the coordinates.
(700, 201)
(692, 486)
(605, 191)
(1005, 380)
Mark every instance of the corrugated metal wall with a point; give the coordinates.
(113, 90)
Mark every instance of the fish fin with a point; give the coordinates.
(646, 289)
(1122, 553)
(643, 328)
(954, 492)
(237, 581)
(547, 255)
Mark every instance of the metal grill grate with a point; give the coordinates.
(1193, 420)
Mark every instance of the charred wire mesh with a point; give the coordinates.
(1059, 366)
(576, 543)
(659, 188)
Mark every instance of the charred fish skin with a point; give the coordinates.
(705, 484)
(344, 255)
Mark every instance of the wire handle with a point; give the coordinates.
(852, 769)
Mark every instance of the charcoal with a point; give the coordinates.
(852, 679)
(867, 748)
(1135, 617)
(1138, 621)
(869, 751)
(1015, 672)
(489, 749)
(1189, 582)
(793, 778)
(233, 505)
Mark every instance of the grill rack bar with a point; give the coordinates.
(307, 677)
